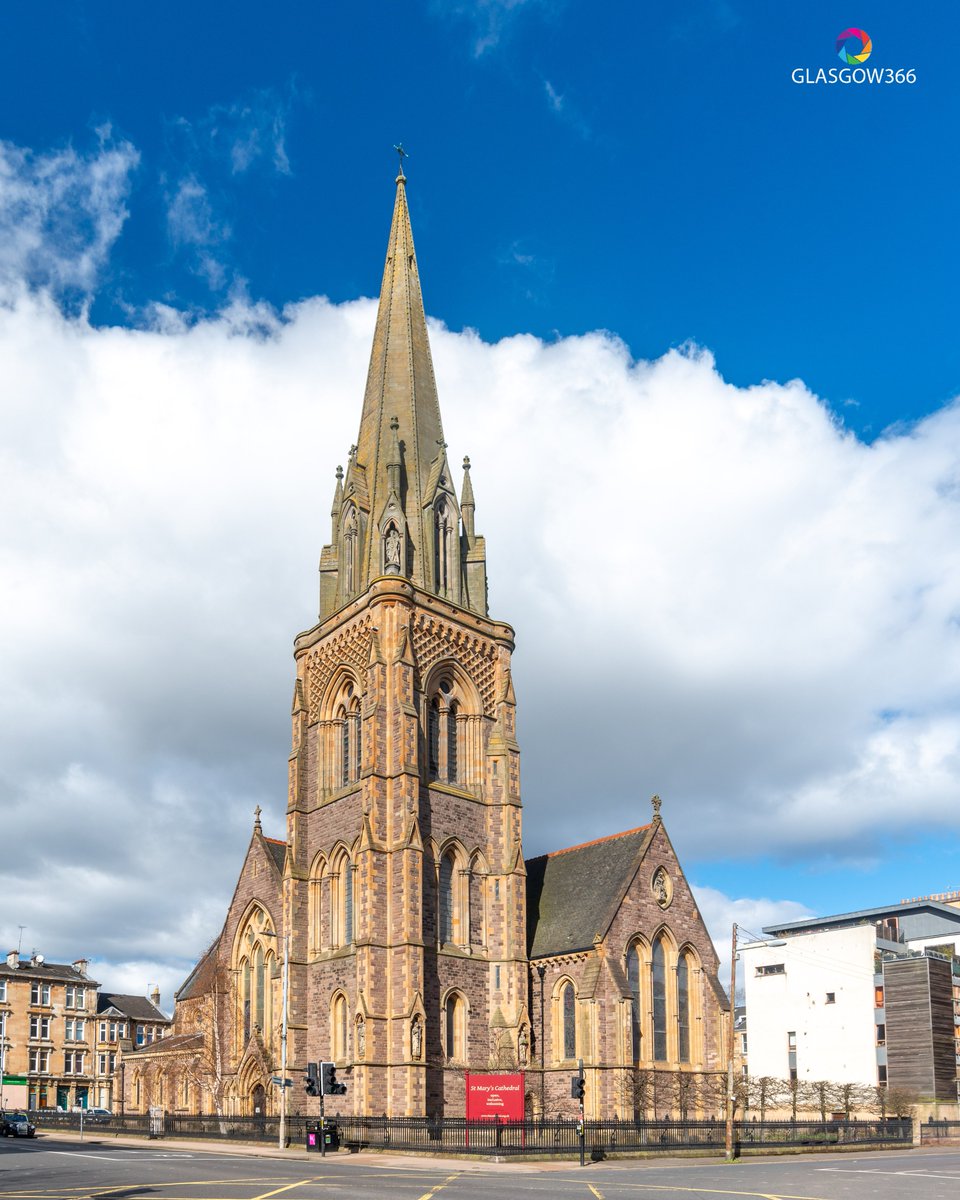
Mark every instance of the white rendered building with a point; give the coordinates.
(870, 997)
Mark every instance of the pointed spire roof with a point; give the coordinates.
(401, 385)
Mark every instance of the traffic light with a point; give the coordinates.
(328, 1081)
(312, 1081)
(577, 1087)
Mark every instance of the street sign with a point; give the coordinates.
(281, 1082)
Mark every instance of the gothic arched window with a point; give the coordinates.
(348, 931)
(316, 907)
(683, 1008)
(452, 774)
(433, 739)
(349, 718)
(338, 1021)
(568, 1010)
(444, 732)
(444, 547)
(342, 902)
(633, 980)
(659, 981)
(446, 898)
(350, 531)
(455, 1028)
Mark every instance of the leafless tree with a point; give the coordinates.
(764, 1091)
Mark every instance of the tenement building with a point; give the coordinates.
(419, 943)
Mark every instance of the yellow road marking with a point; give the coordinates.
(277, 1191)
(599, 1195)
(702, 1191)
(440, 1186)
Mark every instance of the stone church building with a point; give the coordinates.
(420, 942)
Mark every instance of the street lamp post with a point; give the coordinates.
(284, 987)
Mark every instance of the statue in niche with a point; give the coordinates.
(661, 887)
(391, 551)
(361, 1038)
(416, 1038)
(522, 1047)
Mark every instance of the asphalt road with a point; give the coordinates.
(57, 1169)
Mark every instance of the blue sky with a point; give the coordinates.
(648, 168)
(180, 183)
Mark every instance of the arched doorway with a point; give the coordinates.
(258, 1101)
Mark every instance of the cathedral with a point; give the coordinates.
(419, 943)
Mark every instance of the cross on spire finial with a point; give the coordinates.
(656, 802)
(403, 154)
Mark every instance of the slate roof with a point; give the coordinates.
(137, 1008)
(50, 972)
(278, 851)
(168, 1045)
(571, 894)
(199, 981)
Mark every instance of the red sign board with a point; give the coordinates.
(495, 1097)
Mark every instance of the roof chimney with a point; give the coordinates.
(80, 966)
(13, 959)
(155, 996)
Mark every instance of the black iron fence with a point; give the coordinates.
(454, 1135)
(944, 1132)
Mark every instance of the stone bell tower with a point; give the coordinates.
(405, 891)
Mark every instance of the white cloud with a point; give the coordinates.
(60, 213)
(718, 593)
(491, 19)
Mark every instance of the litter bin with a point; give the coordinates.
(331, 1134)
(314, 1134)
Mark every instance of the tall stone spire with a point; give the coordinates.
(399, 512)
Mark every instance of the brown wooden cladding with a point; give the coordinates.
(921, 1055)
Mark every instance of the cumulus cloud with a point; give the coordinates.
(719, 595)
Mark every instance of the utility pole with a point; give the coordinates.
(733, 1001)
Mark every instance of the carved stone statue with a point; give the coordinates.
(391, 551)
(361, 1038)
(522, 1047)
(416, 1038)
(661, 887)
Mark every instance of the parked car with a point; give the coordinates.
(98, 1114)
(16, 1124)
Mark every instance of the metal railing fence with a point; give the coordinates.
(547, 1138)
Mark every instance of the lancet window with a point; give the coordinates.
(455, 1027)
(342, 895)
(351, 527)
(659, 982)
(445, 532)
(348, 716)
(567, 1013)
(633, 981)
(444, 734)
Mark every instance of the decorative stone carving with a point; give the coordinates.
(416, 1039)
(662, 887)
(391, 552)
